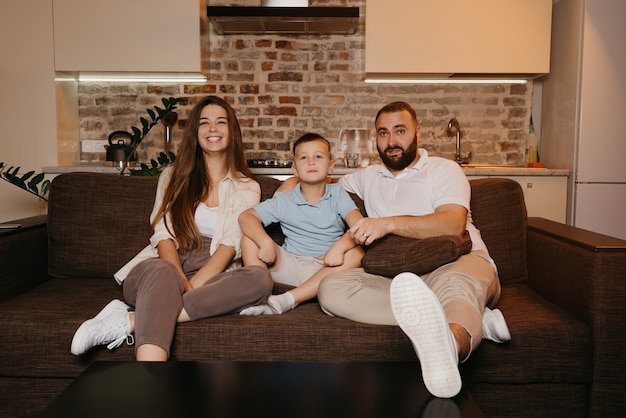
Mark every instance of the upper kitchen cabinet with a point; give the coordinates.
(457, 38)
(127, 35)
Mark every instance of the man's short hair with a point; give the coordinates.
(394, 107)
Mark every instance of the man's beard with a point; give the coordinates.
(401, 162)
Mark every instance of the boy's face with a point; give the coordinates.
(312, 163)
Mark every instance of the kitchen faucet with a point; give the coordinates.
(455, 128)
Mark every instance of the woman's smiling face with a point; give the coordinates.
(213, 130)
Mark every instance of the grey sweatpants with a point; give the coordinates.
(464, 287)
(155, 290)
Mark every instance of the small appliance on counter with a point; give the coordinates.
(119, 148)
(355, 147)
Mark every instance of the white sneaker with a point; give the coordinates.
(494, 326)
(111, 326)
(420, 315)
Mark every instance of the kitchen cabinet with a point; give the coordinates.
(457, 37)
(545, 196)
(27, 112)
(127, 35)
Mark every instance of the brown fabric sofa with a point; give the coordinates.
(563, 292)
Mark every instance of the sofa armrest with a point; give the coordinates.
(23, 256)
(585, 273)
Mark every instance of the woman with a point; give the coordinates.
(188, 270)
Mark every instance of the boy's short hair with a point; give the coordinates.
(309, 137)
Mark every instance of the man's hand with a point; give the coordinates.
(368, 230)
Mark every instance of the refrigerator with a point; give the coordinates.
(583, 111)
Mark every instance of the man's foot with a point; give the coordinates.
(421, 317)
(111, 326)
(494, 326)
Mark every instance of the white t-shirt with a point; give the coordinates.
(416, 191)
(206, 218)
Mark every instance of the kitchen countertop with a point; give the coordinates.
(471, 170)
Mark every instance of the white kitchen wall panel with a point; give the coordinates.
(127, 35)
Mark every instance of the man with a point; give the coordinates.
(414, 195)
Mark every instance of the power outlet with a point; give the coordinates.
(93, 145)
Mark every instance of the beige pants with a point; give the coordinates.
(464, 287)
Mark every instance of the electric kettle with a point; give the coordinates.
(355, 147)
(118, 149)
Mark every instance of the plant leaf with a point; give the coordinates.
(137, 135)
(160, 111)
(45, 187)
(27, 175)
(14, 173)
(32, 184)
(18, 182)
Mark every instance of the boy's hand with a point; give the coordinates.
(276, 305)
(267, 252)
(333, 257)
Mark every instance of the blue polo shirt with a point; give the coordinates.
(309, 229)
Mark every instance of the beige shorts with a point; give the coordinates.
(294, 269)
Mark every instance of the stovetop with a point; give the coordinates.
(268, 163)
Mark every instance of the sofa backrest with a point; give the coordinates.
(499, 212)
(98, 222)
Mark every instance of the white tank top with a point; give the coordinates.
(206, 218)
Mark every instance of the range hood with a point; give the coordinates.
(283, 20)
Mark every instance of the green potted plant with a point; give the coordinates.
(39, 186)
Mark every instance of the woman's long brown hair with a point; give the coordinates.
(190, 182)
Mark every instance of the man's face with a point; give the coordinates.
(396, 139)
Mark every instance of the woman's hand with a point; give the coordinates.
(187, 286)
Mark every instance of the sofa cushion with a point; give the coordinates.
(57, 308)
(95, 230)
(392, 254)
(499, 212)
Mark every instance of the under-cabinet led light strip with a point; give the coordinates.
(129, 77)
(447, 80)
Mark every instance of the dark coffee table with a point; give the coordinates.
(254, 390)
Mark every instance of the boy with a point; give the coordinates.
(312, 218)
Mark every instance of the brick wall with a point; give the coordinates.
(283, 86)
